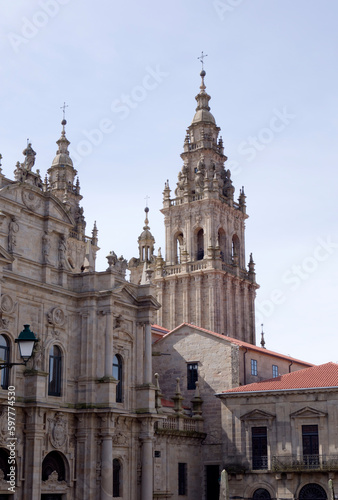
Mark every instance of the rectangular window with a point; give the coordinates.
(310, 445)
(182, 479)
(259, 448)
(274, 371)
(192, 375)
(253, 367)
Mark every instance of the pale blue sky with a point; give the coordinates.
(272, 75)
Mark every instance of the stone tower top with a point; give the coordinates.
(62, 183)
(146, 240)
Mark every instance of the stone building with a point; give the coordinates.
(280, 436)
(192, 354)
(86, 407)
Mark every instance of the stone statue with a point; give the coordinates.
(30, 157)
(62, 252)
(13, 228)
(45, 247)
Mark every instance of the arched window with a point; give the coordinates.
(235, 250)
(222, 244)
(118, 375)
(53, 462)
(4, 465)
(117, 478)
(179, 247)
(261, 494)
(312, 491)
(4, 357)
(54, 378)
(200, 244)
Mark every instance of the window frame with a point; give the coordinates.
(4, 379)
(259, 442)
(254, 367)
(118, 375)
(55, 367)
(275, 371)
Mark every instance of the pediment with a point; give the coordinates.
(35, 200)
(308, 412)
(257, 415)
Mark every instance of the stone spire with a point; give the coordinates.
(146, 241)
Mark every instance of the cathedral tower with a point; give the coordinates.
(203, 277)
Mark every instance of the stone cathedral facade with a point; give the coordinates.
(202, 278)
(93, 421)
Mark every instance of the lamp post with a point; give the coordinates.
(26, 341)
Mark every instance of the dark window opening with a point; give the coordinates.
(274, 371)
(259, 448)
(200, 244)
(4, 357)
(182, 479)
(192, 375)
(310, 445)
(54, 378)
(312, 491)
(117, 374)
(117, 472)
(261, 494)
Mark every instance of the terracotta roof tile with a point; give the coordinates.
(322, 376)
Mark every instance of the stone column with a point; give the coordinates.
(185, 301)
(146, 437)
(108, 362)
(34, 441)
(107, 468)
(172, 298)
(198, 303)
(147, 372)
(212, 298)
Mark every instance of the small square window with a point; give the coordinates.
(274, 371)
(157, 454)
(254, 367)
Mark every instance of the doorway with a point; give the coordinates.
(212, 476)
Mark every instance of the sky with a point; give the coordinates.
(129, 72)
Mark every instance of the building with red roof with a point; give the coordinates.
(280, 435)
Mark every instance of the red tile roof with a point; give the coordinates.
(240, 343)
(322, 376)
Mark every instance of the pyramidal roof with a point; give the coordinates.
(322, 376)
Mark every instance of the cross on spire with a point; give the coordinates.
(201, 58)
(147, 198)
(64, 109)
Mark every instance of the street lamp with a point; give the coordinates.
(26, 341)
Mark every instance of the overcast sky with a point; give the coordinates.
(129, 72)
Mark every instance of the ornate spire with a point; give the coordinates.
(146, 240)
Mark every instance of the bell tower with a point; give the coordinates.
(202, 278)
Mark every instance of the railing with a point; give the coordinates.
(178, 424)
(293, 463)
(259, 463)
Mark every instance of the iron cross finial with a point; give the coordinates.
(64, 109)
(147, 198)
(201, 58)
